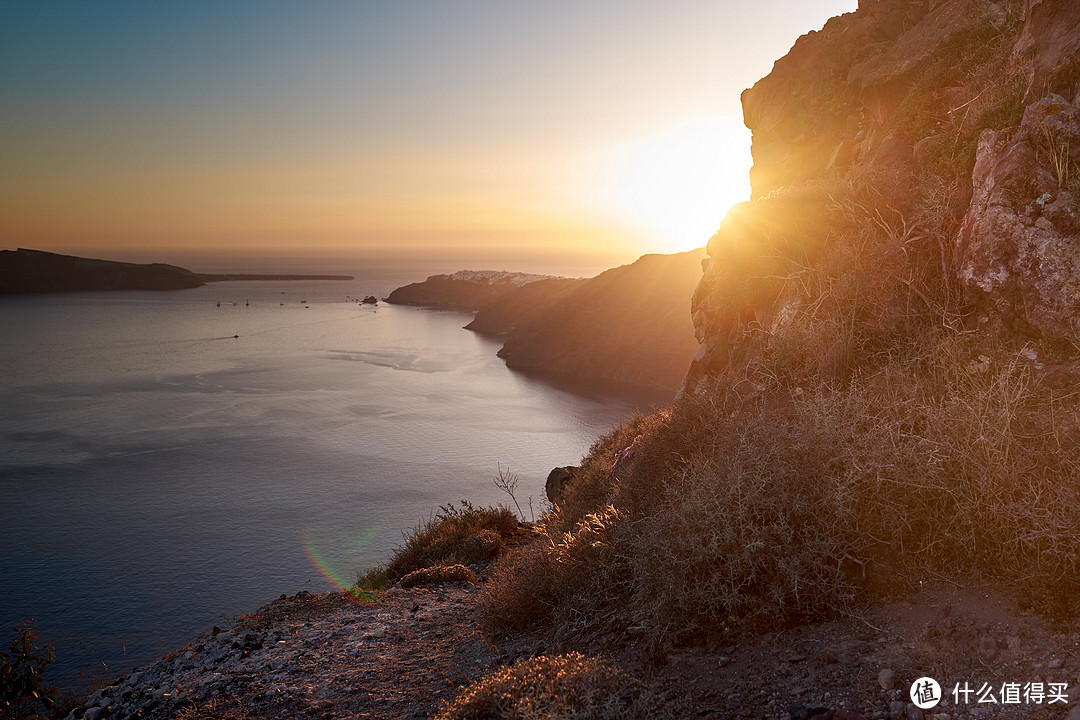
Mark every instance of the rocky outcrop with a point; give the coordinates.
(35, 271)
(464, 290)
(522, 307)
(556, 482)
(953, 123)
(626, 329)
(626, 326)
(1019, 245)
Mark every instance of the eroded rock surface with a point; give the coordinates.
(1019, 246)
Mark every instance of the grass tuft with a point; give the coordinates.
(438, 574)
(568, 687)
(454, 535)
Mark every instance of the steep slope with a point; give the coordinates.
(937, 141)
(627, 325)
(885, 387)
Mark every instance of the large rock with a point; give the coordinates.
(1019, 245)
(1048, 48)
(557, 480)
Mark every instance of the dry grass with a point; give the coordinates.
(566, 687)
(438, 574)
(873, 440)
(739, 514)
(462, 534)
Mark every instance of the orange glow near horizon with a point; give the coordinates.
(573, 128)
(677, 185)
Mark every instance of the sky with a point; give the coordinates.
(265, 126)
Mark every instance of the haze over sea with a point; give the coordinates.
(158, 472)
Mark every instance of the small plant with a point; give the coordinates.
(1058, 156)
(569, 687)
(508, 482)
(370, 585)
(437, 575)
(453, 535)
(22, 687)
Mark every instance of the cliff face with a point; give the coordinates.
(932, 144)
(628, 325)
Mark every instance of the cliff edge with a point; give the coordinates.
(939, 140)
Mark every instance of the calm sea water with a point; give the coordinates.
(157, 473)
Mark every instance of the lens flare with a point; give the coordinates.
(320, 562)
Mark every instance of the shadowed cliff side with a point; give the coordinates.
(470, 289)
(628, 325)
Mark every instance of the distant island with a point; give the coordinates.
(25, 271)
(471, 290)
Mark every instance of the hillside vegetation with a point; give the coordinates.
(885, 389)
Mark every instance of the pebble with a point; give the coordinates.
(887, 679)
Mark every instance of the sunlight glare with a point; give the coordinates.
(679, 184)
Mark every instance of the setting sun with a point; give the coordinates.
(678, 184)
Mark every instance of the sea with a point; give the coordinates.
(171, 460)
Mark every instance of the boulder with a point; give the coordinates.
(557, 480)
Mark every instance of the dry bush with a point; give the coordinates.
(438, 574)
(741, 513)
(567, 687)
(462, 534)
(525, 588)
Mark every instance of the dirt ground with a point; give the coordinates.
(329, 656)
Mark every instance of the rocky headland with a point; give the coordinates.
(25, 271)
(470, 289)
(627, 327)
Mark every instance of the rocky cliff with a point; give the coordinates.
(915, 161)
(628, 325)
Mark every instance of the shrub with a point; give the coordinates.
(22, 688)
(568, 687)
(740, 513)
(462, 534)
(438, 574)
